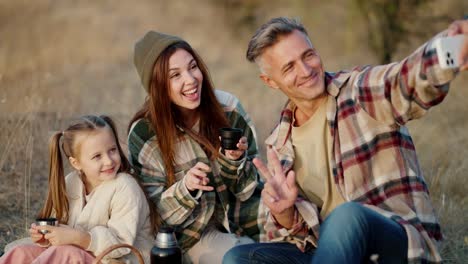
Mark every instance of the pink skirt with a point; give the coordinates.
(40, 255)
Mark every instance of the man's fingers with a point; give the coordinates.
(272, 192)
(268, 199)
(274, 162)
(262, 168)
(453, 29)
(464, 54)
(291, 180)
(461, 27)
(458, 27)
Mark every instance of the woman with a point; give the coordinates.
(209, 195)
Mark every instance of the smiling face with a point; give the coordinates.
(98, 156)
(185, 81)
(293, 66)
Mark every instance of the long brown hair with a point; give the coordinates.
(57, 201)
(165, 118)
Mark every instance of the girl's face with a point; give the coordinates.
(185, 81)
(97, 157)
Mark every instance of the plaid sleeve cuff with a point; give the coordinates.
(303, 233)
(182, 194)
(198, 193)
(430, 64)
(297, 227)
(298, 234)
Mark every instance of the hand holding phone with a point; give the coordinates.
(448, 51)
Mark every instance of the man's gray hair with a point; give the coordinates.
(267, 35)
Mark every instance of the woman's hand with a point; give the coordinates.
(65, 235)
(196, 178)
(236, 154)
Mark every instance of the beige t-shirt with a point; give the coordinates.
(311, 164)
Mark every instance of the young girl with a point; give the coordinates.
(98, 205)
(209, 196)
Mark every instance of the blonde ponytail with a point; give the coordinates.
(56, 204)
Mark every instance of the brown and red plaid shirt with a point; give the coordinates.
(373, 157)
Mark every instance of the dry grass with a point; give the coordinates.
(60, 59)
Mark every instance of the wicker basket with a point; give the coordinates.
(111, 248)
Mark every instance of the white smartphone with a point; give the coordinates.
(448, 51)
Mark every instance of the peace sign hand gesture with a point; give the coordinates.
(280, 190)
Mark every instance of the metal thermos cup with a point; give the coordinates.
(166, 249)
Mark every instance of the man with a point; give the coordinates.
(344, 184)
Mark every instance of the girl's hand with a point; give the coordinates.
(65, 235)
(36, 236)
(236, 154)
(196, 178)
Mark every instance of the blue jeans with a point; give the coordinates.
(352, 233)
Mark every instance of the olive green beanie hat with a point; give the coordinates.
(147, 51)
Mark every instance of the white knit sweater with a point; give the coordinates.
(117, 212)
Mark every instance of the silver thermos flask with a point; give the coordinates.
(166, 249)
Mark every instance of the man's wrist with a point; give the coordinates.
(285, 218)
(286, 212)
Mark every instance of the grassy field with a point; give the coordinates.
(61, 59)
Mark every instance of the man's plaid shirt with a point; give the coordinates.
(373, 157)
(233, 203)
